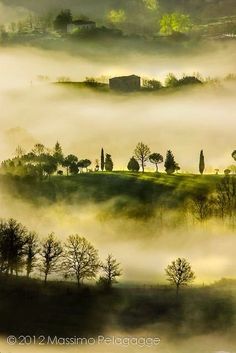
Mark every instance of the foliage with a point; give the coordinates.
(12, 242)
(152, 5)
(84, 163)
(116, 16)
(170, 165)
(201, 163)
(226, 196)
(108, 163)
(175, 22)
(58, 154)
(234, 155)
(153, 84)
(70, 162)
(62, 20)
(102, 160)
(171, 81)
(156, 158)
(133, 165)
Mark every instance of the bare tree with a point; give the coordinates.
(226, 196)
(80, 259)
(51, 252)
(201, 206)
(179, 273)
(111, 270)
(142, 153)
(31, 250)
(12, 242)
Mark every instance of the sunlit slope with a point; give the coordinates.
(126, 188)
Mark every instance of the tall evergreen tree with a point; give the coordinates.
(170, 165)
(133, 165)
(102, 160)
(201, 163)
(57, 153)
(108, 163)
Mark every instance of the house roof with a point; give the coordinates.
(125, 77)
(83, 22)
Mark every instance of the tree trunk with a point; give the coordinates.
(142, 166)
(45, 278)
(177, 290)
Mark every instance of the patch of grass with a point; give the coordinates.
(132, 194)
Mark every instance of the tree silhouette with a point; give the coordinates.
(170, 165)
(38, 149)
(68, 161)
(96, 165)
(234, 155)
(74, 168)
(80, 259)
(84, 163)
(142, 153)
(108, 163)
(133, 165)
(179, 273)
(226, 195)
(156, 158)
(111, 270)
(62, 20)
(58, 154)
(12, 242)
(50, 252)
(201, 163)
(31, 250)
(49, 164)
(102, 160)
(201, 205)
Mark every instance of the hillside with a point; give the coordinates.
(133, 195)
(199, 8)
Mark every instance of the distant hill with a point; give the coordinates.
(97, 9)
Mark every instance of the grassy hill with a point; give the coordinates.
(133, 194)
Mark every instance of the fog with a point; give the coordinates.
(85, 121)
(34, 110)
(151, 247)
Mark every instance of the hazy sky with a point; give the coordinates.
(84, 121)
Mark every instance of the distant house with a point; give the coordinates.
(81, 25)
(125, 83)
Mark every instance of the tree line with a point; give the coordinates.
(21, 251)
(44, 162)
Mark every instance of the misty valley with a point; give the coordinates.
(117, 176)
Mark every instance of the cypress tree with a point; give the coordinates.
(201, 163)
(102, 160)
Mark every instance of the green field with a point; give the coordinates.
(134, 194)
(59, 308)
